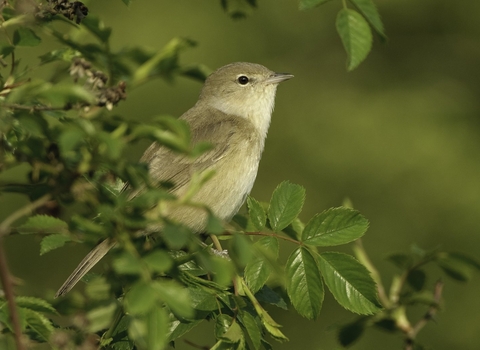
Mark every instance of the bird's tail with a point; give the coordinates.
(85, 265)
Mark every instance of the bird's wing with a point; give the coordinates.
(166, 165)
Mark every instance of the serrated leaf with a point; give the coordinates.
(349, 282)
(256, 213)
(227, 329)
(43, 224)
(52, 242)
(202, 299)
(368, 9)
(175, 296)
(252, 328)
(25, 37)
(304, 283)
(356, 36)
(35, 304)
(179, 328)
(334, 226)
(40, 325)
(285, 205)
(310, 4)
(258, 268)
(269, 296)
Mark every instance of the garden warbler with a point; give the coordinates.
(232, 114)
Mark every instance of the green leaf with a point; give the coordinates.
(285, 205)
(202, 299)
(127, 264)
(198, 72)
(96, 27)
(310, 4)
(40, 325)
(164, 62)
(141, 298)
(458, 266)
(64, 93)
(350, 333)
(368, 9)
(401, 260)
(334, 227)
(350, 282)
(416, 279)
(356, 36)
(97, 288)
(101, 317)
(127, 2)
(65, 54)
(269, 296)
(158, 261)
(179, 328)
(53, 242)
(256, 213)
(25, 37)
(43, 224)
(227, 329)
(157, 328)
(252, 328)
(304, 283)
(6, 49)
(240, 250)
(35, 304)
(258, 269)
(175, 296)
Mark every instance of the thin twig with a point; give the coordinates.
(6, 279)
(5, 275)
(429, 315)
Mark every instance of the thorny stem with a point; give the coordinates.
(5, 275)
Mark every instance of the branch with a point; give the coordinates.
(37, 108)
(429, 315)
(5, 276)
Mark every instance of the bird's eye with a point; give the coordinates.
(243, 80)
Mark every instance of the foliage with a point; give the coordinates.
(158, 287)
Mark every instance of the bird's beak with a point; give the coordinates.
(278, 78)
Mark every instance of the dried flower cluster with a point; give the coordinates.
(74, 11)
(96, 81)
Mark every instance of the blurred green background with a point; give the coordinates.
(399, 136)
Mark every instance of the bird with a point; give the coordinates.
(233, 115)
